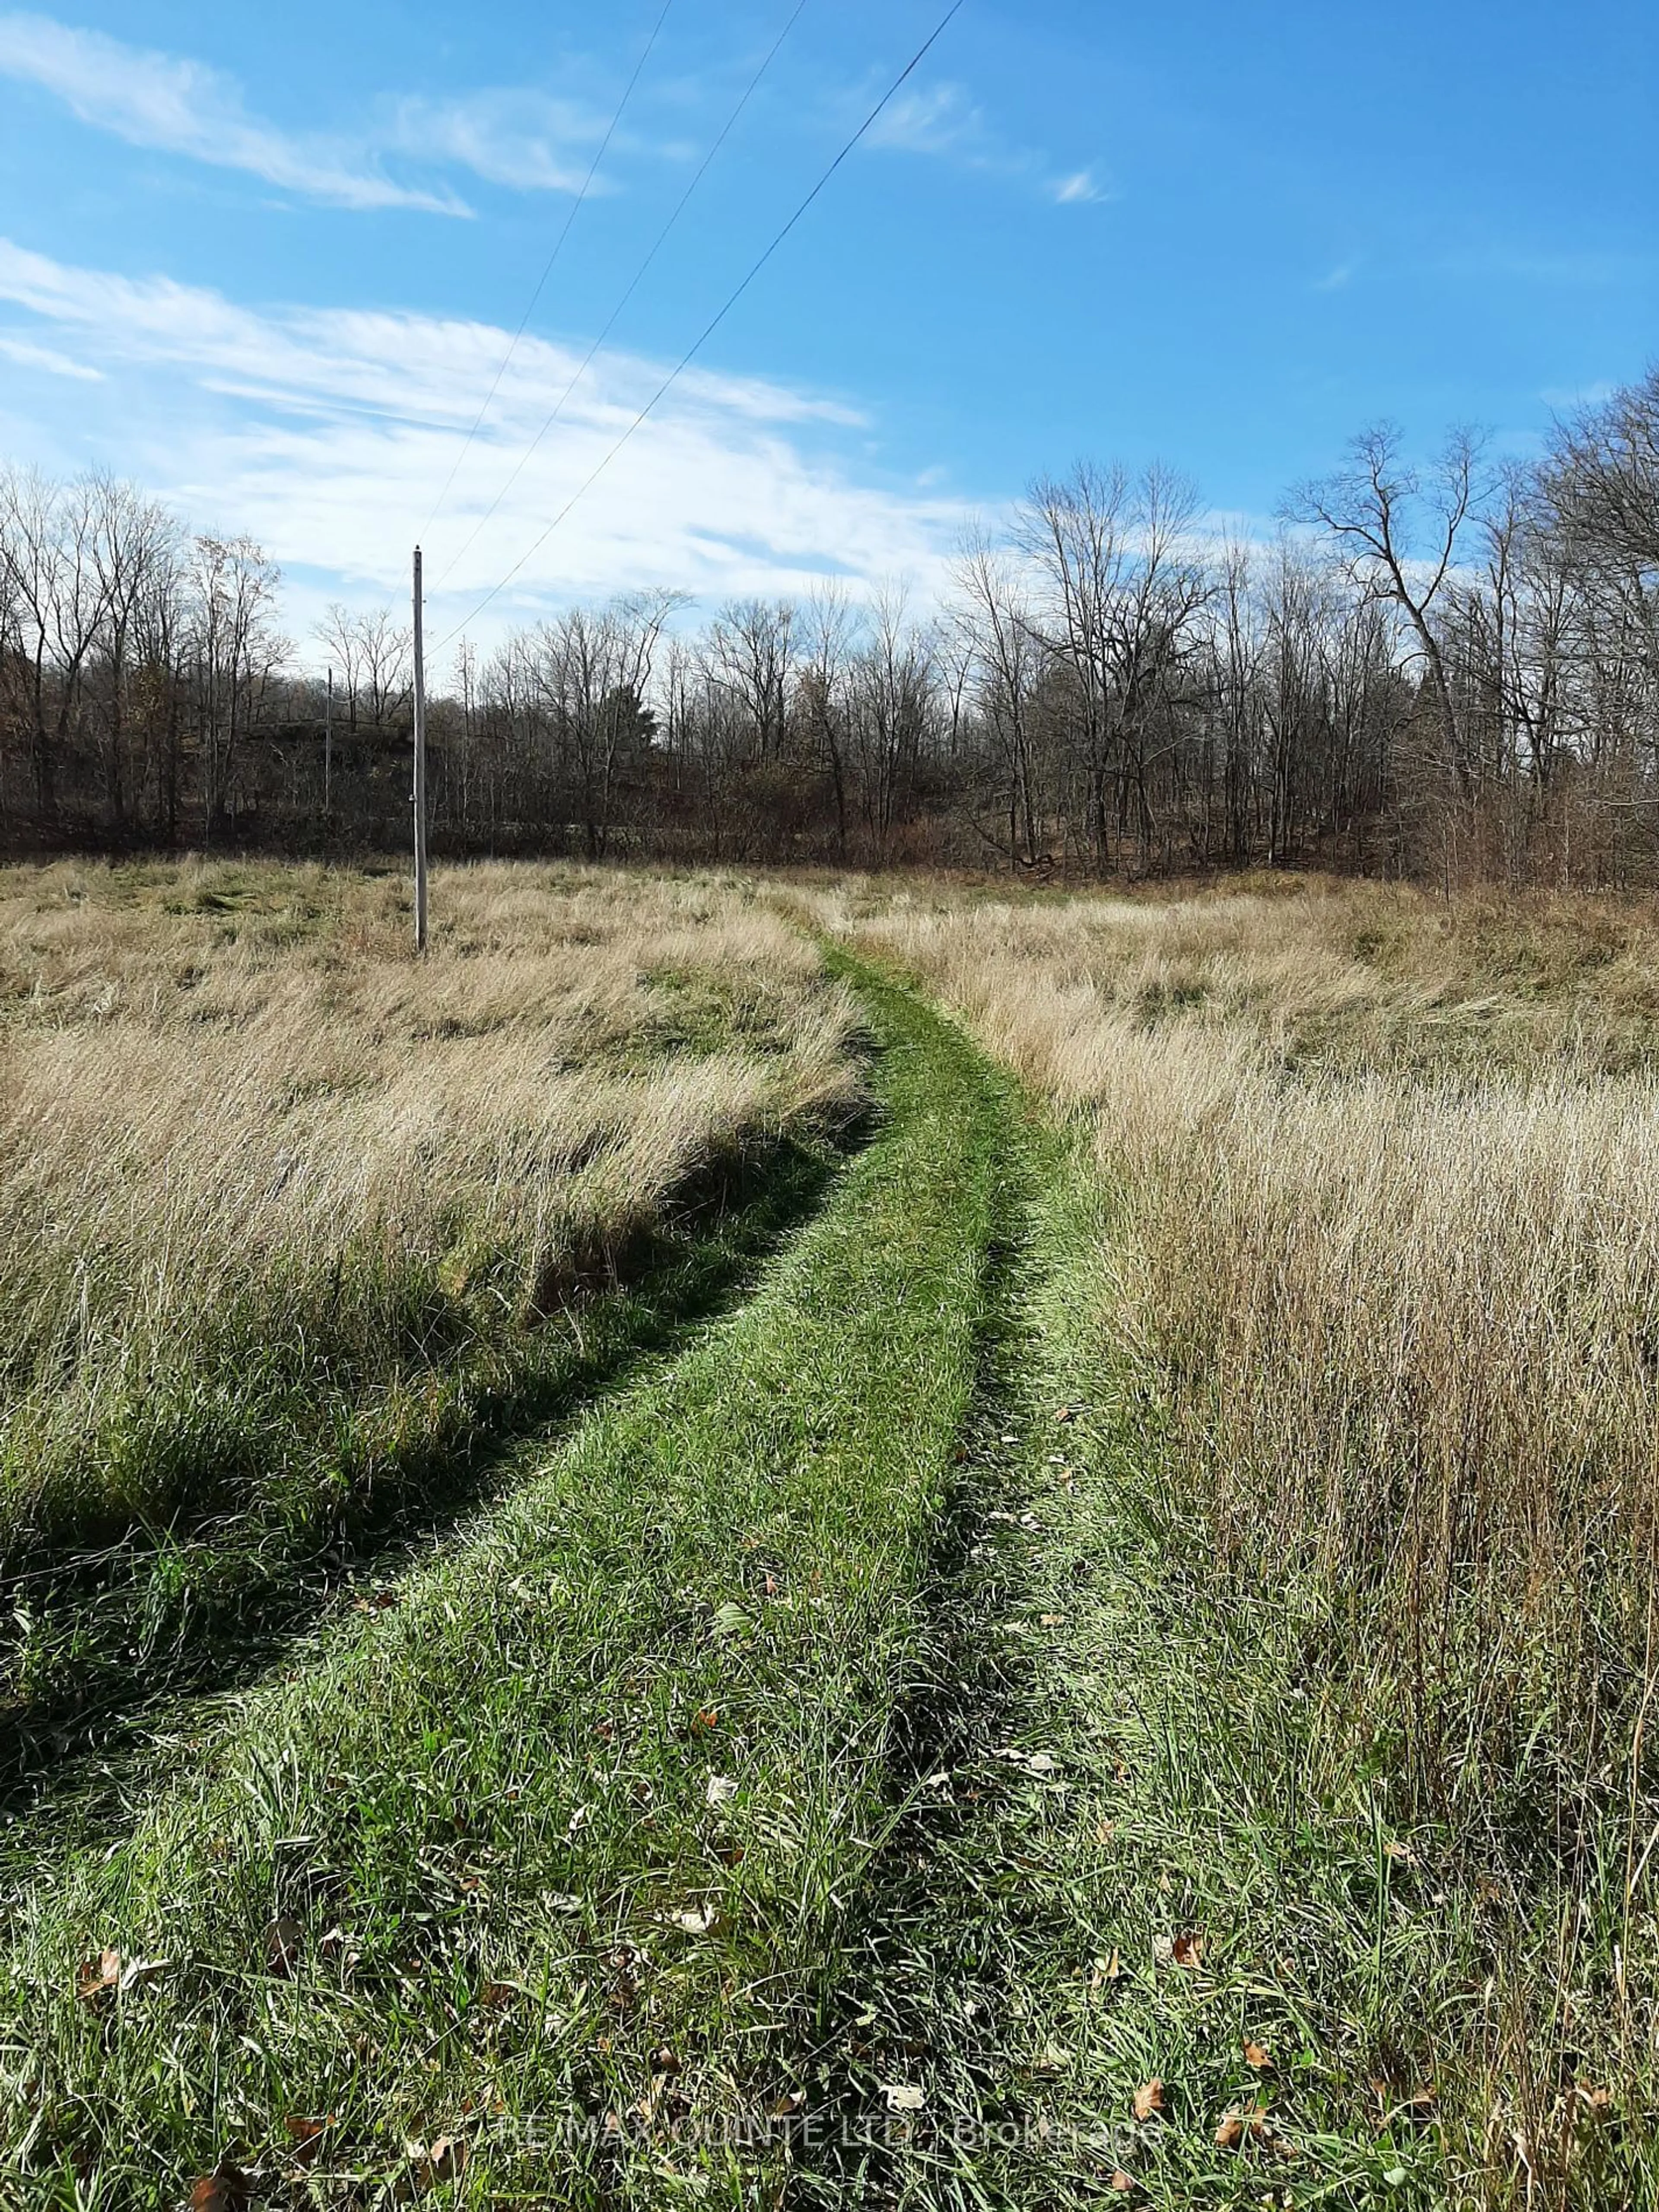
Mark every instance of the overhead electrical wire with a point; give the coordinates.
(714, 322)
(558, 248)
(661, 239)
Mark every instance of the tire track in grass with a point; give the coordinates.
(519, 1890)
(132, 1660)
(1085, 1949)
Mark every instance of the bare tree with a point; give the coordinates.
(1398, 529)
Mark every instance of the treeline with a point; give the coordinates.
(1450, 670)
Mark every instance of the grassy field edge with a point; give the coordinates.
(102, 1643)
(531, 1873)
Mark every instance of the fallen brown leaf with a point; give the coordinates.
(282, 1940)
(448, 2157)
(306, 2135)
(225, 2190)
(1106, 1970)
(1258, 2055)
(1188, 1951)
(97, 1980)
(1121, 2182)
(1230, 2130)
(1149, 2098)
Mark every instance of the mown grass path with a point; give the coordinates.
(522, 1889)
(1082, 1953)
(113, 1642)
(817, 1781)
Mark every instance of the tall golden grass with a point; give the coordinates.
(1388, 1180)
(234, 1109)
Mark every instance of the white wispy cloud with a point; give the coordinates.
(27, 354)
(1078, 189)
(946, 121)
(523, 139)
(519, 137)
(182, 106)
(941, 120)
(327, 434)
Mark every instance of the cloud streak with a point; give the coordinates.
(49, 360)
(518, 138)
(181, 106)
(326, 433)
(946, 122)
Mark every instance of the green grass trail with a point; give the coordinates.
(544, 1860)
(1120, 1870)
(105, 1644)
(826, 1780)
(1086, 1893)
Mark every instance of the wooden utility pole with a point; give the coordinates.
(328, 749)
(420, 766)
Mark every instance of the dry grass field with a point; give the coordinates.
(1383, 1181)
(1137, 1626)
(284, 1209)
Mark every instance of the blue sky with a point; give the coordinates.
(269, 260)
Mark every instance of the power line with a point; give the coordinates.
(558, 248)
(661, 239)
(709, 328)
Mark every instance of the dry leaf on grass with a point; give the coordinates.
(1149, 2098)
(306, 2135)
(903, 2098)
(445, 2160)
(97, 1980)
(225, 2190)
(1104, 1971)
(1232, 2126)
(282, 1940)
(1188, 1950)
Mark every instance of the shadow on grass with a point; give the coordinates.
(112, 1644)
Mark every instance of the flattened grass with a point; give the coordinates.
(547, 1857)
(292, 1220)
(1379, 1260)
